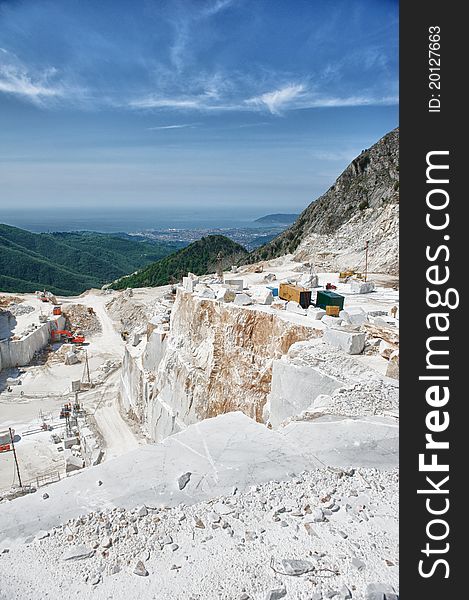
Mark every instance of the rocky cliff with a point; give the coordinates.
(215, 359)
(362, 205)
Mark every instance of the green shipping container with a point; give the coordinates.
(328, 298)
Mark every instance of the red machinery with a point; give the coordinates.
(58, 334)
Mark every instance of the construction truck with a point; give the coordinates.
(59, 334)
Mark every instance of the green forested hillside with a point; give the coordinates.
(200, 258)
(69, 263)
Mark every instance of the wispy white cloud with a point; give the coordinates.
(185, 25)
(14, 80)
(203, 92)
(291, 97)
(349, 101)
(181, 41)
(179, 126)
(217, 7)
(278, 99)
(38, 86)
(157, 102)
(259, 124)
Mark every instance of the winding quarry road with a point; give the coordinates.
(117, 435)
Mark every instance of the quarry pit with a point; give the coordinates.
(222, 383)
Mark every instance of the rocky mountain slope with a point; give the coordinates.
(361, 206)
(200, 257)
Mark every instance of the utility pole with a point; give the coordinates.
(87, 368)
(14, 454)
(366, 259)
(220, 266)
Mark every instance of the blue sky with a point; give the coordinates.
(220, 105)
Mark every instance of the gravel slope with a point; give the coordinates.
(342, 525)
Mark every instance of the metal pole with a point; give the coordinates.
(86, 370)
(14, 454)
(219, 266)
(87, 367)
(366, 259)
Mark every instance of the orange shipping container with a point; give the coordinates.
(296, 293)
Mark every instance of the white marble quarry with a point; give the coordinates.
(315, 313)
(135, 389)
(225, 294)
(331, 321)
(294, 307)
(392, 370)
(243, 300)
(262, 296)
(154, 349)
(181, 376)
(385, 321)
(234, 284)
(226, 451)
(354, 315)
(221, 453)
(310, 281)
(294, 388)
(279, 304)
(351, 342)
(18, 353)
(73, 463)
(71, 358)
(189, 282)
(347, 442)
(206, 293)
(362, 287)
(385, 349)
(375, 313)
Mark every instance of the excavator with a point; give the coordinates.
(45, 296)
(58, 334)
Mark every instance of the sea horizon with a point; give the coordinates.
(128, 220)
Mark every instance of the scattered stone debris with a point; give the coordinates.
(276, 594)
(77, 553)
(19, 309)
(242, 534)
(184, 480)
(80, 318)
(7, 301)
(140, 569)
(380, 591)
(293, 567)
